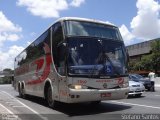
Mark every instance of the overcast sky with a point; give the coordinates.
(22, 21)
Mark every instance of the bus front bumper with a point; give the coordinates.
(86, 95)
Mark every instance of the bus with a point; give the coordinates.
(75, 60)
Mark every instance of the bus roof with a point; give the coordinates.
(76, 19)
(86, 20)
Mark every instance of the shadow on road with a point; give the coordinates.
(135, 97)
(81, 109)
(90, 109)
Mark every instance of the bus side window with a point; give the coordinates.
(57, 38)
(61, 58)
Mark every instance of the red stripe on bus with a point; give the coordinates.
(39, 64)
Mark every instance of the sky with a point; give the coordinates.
(22, 21)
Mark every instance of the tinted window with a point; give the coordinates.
(57, 39)
(33, 51)
(81, 28)
(88, 56)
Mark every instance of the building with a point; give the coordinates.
(136, 51)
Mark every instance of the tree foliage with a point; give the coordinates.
(8, 70)
(6, 79)
(155, 46)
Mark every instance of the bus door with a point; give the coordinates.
(62, 79)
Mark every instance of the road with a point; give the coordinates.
(33, 108)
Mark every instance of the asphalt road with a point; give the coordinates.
(33, 108)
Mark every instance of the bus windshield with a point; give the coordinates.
(92, 56)
(81, 28)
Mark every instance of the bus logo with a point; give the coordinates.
(105, 85)
(39, 63)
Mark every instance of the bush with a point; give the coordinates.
(5, 80)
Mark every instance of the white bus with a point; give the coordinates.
(74, 60)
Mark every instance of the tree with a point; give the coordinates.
(8, 70)
(7, 79)
(135, 66)
(155, 46)
(146, 62)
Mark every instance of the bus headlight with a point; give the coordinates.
(77, 87)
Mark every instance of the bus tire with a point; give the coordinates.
(21, 90)
(51, 102)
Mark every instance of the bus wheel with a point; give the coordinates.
(22, 91)
(19, 90)
(49, 98)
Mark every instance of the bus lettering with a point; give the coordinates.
(82, 82)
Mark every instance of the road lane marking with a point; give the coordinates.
(9, 102)
(12, 104)
(21, 103)
(9, 116)
(9, 95)
(135, 104)
(17, 106)
(10, 112)
(35, 112)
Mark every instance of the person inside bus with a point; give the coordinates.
(75, 56)
(103, 60)
(110, 61)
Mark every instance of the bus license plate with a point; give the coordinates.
(105, 95)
